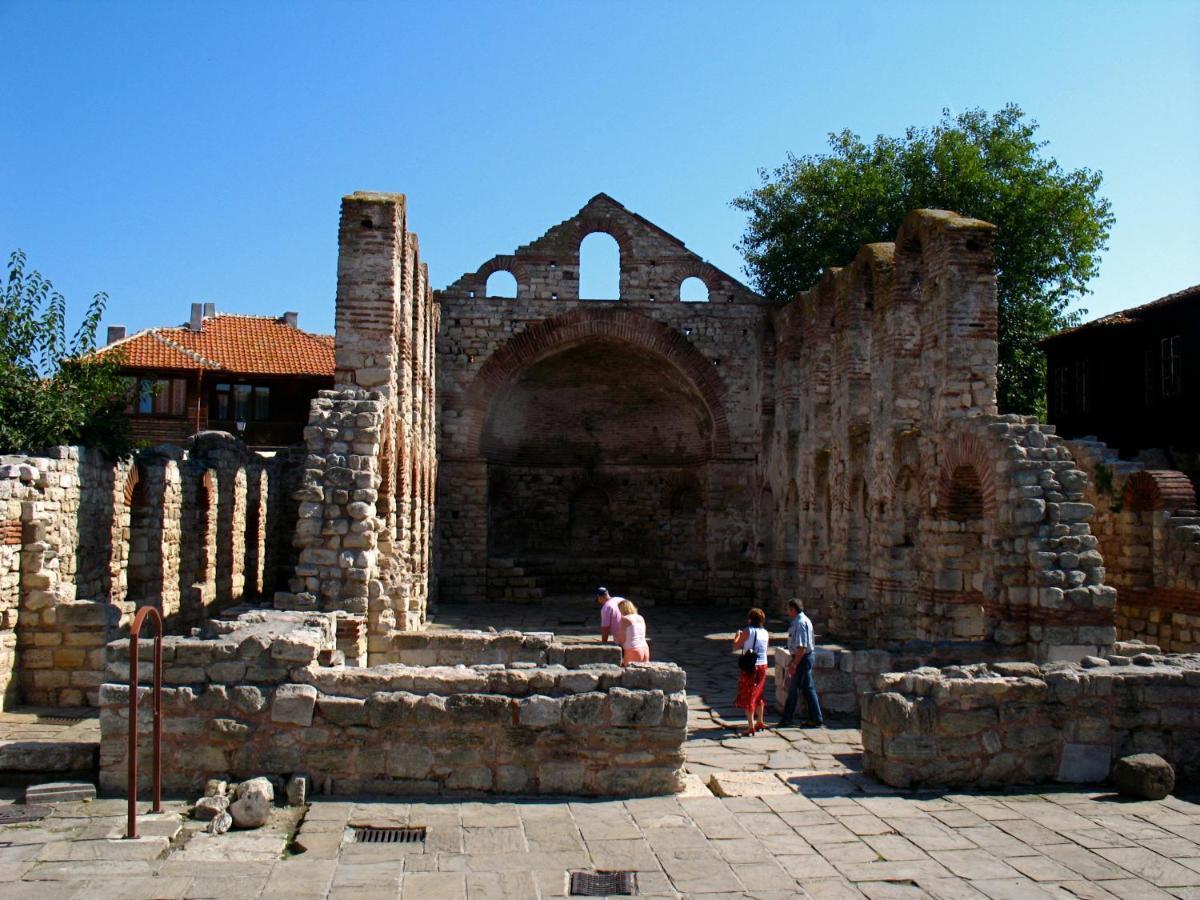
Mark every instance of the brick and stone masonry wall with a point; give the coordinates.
(1016, 723)
(265, 696)
(366, 498)
(680, 408)
(1149, 531)
(87, 541)
(894, 500)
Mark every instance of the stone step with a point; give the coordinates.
(29, 762)
(60, 792)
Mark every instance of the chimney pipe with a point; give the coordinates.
(210, 310)
(115, 333)
(197, 316)
(291, 319)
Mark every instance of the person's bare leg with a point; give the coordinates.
(762, 709)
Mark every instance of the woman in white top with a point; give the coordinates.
(750, 686)
(631, 635)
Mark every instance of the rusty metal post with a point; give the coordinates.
(132, 749)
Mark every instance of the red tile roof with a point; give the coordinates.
(1132, 315)
(244, 345)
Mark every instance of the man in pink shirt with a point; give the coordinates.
(610, 614)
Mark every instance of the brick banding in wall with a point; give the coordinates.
(10, 533)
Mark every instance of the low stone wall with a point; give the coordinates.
(267, 697)
(844, 675)
(452, 648)
(1014, 723)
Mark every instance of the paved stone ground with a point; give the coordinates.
(799, 821)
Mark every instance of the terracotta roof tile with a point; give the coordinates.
(1131, 315)
(245, 345)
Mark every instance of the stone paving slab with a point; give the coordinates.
(800, 821)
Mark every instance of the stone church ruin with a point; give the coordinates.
(844, 448)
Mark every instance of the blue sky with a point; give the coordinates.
(174, 152)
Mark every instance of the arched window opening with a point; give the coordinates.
(599, 267)
(501, 284)
(693, 290)
(908, 517)
(964, 500)
(685, 502)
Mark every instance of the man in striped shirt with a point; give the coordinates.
(800, 678)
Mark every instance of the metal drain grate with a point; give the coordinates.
(371, 834)
(603, 884)
(60, 720)
(11, 815)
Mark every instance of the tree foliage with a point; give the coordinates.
(52, 390)
(814, 212)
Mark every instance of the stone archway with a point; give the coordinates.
(584, 427)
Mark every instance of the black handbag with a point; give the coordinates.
(748, 661)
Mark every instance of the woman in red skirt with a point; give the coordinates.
(750, 687)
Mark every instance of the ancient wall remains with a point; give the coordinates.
(1016, 723)
(1148, 525)
(598, 440)
(266, 694)
(366, 508)
(87, 541)
(893, 498)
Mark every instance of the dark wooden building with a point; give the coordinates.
(248, 375)
(1132, 378)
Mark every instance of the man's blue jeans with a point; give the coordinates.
(803, 681)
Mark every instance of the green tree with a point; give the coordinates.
(814, 212)
(54, 390)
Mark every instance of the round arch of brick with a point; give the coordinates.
(504, 263)
(579, 326)
(132, 481)
(966, 452)
(586, 225)
(1158, 489)
(702, 270)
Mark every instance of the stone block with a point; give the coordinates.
(342, 710)
(60, 792)
(293, 704)
(1084, 763)
(541, 712)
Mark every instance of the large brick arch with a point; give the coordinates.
(966, 451)
(578, 326)
(1158, 489)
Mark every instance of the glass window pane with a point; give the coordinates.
(223, 407)
(145, 396)
(241, 404)
(262, 403)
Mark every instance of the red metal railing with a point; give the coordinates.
(142, 614)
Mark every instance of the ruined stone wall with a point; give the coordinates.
(88, 541)
(366, 495)
(1016, 723)
(1149, 531)
(266, 695)
(893, 498)
(621, 432)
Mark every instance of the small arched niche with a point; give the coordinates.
(599, 267)
(501, 283)
(693, 290)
